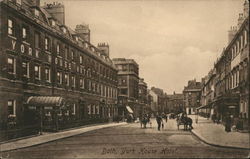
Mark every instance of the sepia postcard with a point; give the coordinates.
(124, 79)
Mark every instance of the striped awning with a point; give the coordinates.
(129, 109)
(45, 101)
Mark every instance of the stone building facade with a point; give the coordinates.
(192, 93)
(128, 86)
(48, 68)
(175, 103)
(232, 72)
(142, 98)
(159, 102)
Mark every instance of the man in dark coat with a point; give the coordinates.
(159, 121)
(228, 123)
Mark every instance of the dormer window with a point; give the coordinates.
(76, 38)
(64, 30)
(85, 45)
(36, 11)
(52, 22)
(19, 2)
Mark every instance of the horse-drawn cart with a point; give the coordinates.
(180, 122)
(184, 120)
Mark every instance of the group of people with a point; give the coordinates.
(144, 120)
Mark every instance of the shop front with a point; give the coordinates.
(227, 104)
(47, 111)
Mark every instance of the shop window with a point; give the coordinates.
(12, 108)
(11, 65)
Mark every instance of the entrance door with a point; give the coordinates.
(189, 110)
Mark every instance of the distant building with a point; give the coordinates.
(159, 103)
(142, 99)
(175, 103)
(128, 85)
(192, 93)
(208, 94)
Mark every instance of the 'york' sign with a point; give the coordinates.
(23, 47)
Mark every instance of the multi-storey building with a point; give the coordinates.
(159, 103)
(207, 94)
(128, 86)
(232, 72)
(192, 93)
(175, 103)
(48, 69)
(142, 99)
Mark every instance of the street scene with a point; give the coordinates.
(126, 141)
(124, 79)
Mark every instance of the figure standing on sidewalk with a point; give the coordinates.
(159, 121)
(228, 123)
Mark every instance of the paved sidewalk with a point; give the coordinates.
(214, 134)
(36, 140)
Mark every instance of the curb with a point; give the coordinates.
(63, 137)
(216, 145)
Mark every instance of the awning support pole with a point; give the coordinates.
(41, 120)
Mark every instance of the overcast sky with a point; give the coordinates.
(173, 41)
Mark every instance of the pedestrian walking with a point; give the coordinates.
(149, 121)
(166, 118)
(228, 123)
(159, 121)
(162, 123)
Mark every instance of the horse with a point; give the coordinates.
(187, 123)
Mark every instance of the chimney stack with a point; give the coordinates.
(83, 31)
(104, 48)
(57, 11)
(246, 9)
(231, 33)
(32, 3)
(240, 20)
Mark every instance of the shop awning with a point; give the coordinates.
(204, 107)
(45, 101)
(129, 109)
